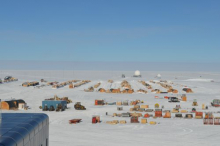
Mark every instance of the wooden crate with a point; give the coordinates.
(143, 121)
(123, 122)
(184, 111)
(144, 106)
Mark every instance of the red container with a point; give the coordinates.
(134, 119)
(199, 114)
(94, 120)
(158, 113)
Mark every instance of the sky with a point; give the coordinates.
(110, 30)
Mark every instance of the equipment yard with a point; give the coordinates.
(146, 116)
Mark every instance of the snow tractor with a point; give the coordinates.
(78, 106)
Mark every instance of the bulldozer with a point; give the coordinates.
(194, 103)
(78, 106)
(51, 108)
(45, 108)
(59, 108)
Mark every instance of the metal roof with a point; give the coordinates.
(20, 127)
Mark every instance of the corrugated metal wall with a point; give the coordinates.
(21, 129)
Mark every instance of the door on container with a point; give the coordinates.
(47, 142)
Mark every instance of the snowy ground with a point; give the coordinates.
(169, 132)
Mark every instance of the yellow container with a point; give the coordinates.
(184, 111)
(153, 123)
(175, 111)
(198, 117)
(143, 121)
(203, 106)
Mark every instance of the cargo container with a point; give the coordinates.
(183, 97)
(134, 119)
(158, 112)
(199, 115)
(125, 115)
(143, 121)
(96, 119)
(99, 102)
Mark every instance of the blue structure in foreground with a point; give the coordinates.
(24, 129)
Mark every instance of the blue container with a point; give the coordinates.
(54, 103)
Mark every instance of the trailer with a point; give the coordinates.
(74, 121)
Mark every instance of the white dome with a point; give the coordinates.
(159, 76)
(137, 73)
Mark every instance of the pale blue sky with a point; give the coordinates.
(110, 30)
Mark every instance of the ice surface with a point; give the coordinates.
(169, 132)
